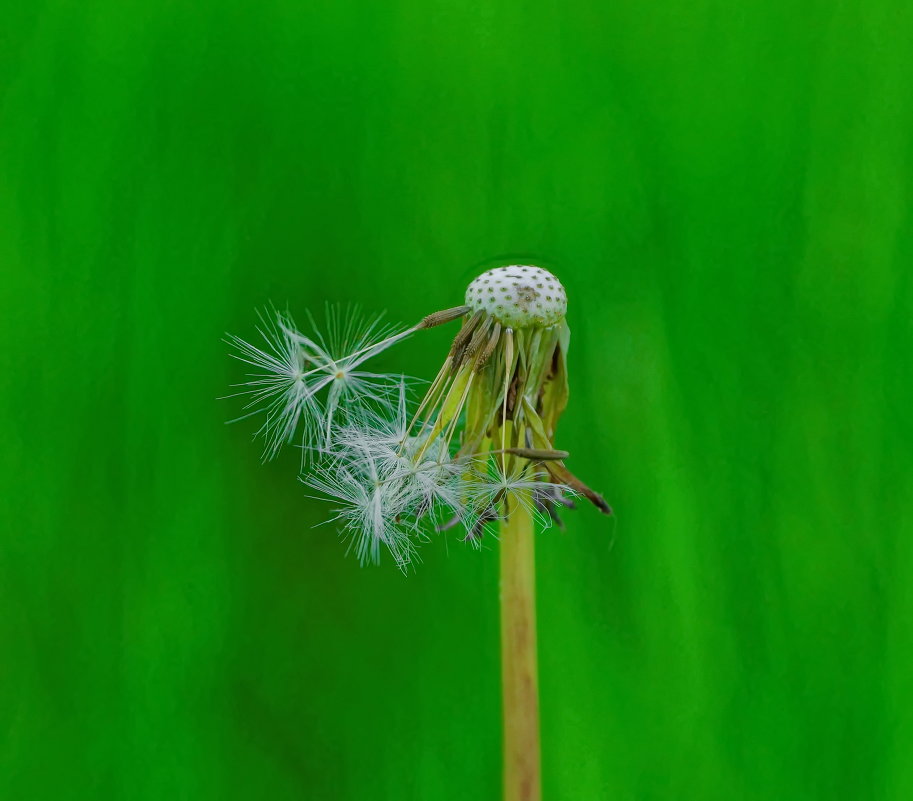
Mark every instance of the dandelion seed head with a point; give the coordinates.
(519, 296)
(476, 447)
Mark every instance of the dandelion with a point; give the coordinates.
(477, 449)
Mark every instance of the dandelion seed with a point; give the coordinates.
(279, 390)
(395, 491)
(305, 383)
(497, 491)
(369, 511)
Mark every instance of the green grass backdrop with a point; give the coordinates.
(725, 190)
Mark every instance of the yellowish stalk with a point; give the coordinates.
(456, 418)
(508, 367)
(430, 396)
(519, 670)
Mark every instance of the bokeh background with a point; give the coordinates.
(724, 188)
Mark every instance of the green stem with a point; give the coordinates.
(519, 672)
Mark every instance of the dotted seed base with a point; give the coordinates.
(519, 296)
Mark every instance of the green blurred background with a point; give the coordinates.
(725, 190)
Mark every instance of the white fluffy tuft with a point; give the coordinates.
(305, 384)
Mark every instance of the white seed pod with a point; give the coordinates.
(519, 296)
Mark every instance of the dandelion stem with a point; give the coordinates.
(519, 673)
